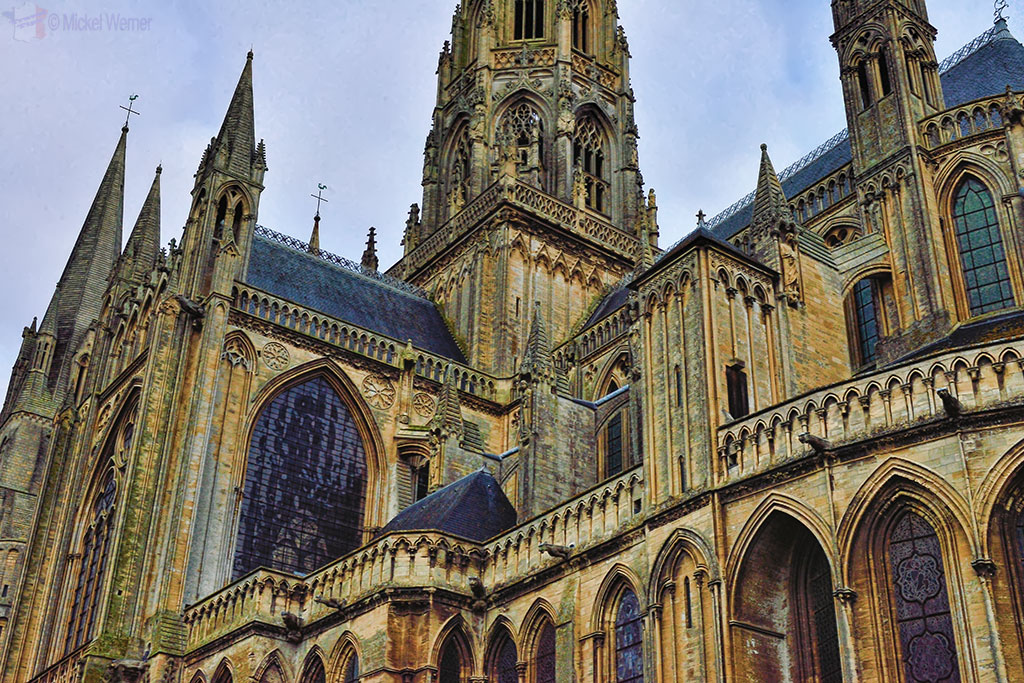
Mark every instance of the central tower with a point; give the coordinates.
(532, 192)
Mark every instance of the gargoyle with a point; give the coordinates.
(559, 551)
(817, 444)
(293, 627)
(128, 670)
(333, 603)
(190, 307)
(477, 586)
(951, 403)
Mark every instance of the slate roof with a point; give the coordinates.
(984, 68)
(1002, 327)
(370, 303)
(474, 508)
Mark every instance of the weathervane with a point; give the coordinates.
(128, 116)
(319, 197)
(1000, 7)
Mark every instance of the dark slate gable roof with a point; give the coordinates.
(1001, 327)
(612, 302)
(984, 68)
(474, 508)
(342, 293)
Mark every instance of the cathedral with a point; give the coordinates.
(542, 446)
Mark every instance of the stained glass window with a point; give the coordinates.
(315, 673)
(629, 655)
(95, 545)
(451, 664)
(352, 670)
(305, 483)
(503, 670)
(982, 258)
(867, 320)
(613, 444)
(823, 619)
(529, 19)
(546, 654)
(927, 645)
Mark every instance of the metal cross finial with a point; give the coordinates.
(319, 197)
(1000, 7)
(128, 116)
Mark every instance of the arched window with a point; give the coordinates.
(352, 669)
(314, 671)
(529, 19)
(865, 305)
(450, 665)
(545, 657)
(503, 664)
(581, 26)
(629, 656)
(736, 389)
(305, 483)
(679, 387)
(588, 158)
(522, 127)
(93, 564)
(223, 675)
(864, 84)
(459, 174)
(883, 71)
(982, 258)
(820, 638)
(921, 602)
(613, 446)
(222, 213)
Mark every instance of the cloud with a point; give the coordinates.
(344, 94)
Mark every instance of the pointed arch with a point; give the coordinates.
(943, 504)
(682, 542)
(502, 656)
(781, 585)
(454, 635)
(774, 503)
(314, 403)
(272, 669)
(313, 668)
(996, 487)
(342, 654)
(904, 543)
(224, 673)
(618, 578)
(592, 143)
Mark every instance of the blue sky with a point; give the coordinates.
(344, 92)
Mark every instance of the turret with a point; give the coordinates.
(225, 196)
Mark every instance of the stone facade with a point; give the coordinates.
(789, 447)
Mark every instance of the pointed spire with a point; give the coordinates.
(537, 358)
(235, 145)
(769, 200)
(84, 280)
(143, 248)
(448, 416)
(370, 261)
(314, 239)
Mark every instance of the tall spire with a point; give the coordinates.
(84, 280)
(370, 261)
(235, 145)
(143, 248)
(770, 201)
(314, 239)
